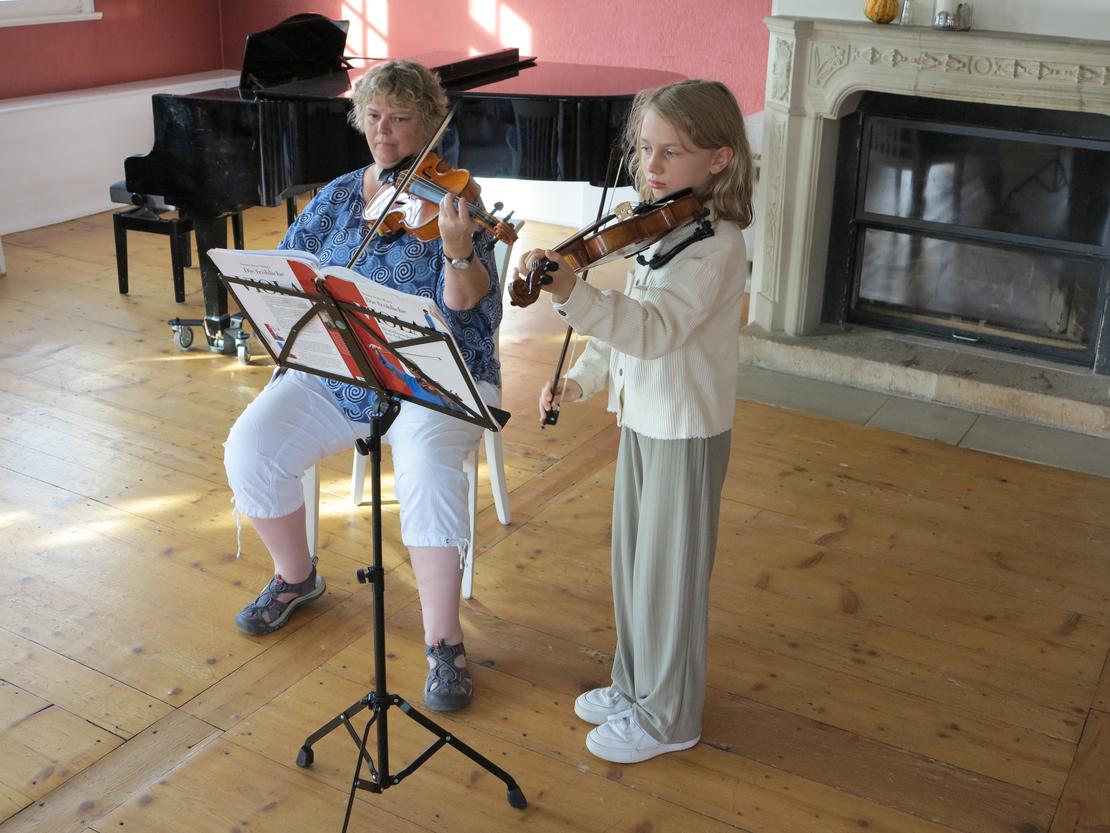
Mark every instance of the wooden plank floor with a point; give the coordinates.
(905, 636)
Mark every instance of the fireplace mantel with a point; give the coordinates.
(815, 73)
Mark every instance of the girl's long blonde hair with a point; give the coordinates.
(706, 112)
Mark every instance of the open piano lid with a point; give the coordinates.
(300, 47)
(456, 70)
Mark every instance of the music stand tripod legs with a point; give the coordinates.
(380, 700)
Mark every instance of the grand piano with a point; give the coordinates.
(285, 130)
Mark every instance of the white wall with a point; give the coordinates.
(1070, 18)
(560, 203)
(61, 152)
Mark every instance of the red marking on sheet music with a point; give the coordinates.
(386, 363)
(306, 275)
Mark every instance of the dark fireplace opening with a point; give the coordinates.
(974, 222)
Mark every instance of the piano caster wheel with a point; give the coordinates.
(182, 337)
(242, 344)
(225, 344)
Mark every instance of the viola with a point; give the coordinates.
(416, 209)
(623, 233)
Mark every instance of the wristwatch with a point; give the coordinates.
(461, 262)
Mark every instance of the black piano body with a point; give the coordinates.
(553, 121)
(221, 151)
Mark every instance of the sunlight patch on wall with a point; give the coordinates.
(513, 30)
(369, 33)
(484, 13)
(504, 24)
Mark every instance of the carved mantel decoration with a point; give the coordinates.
(816, 73)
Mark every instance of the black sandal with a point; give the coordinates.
(266, 614)
(448, 686)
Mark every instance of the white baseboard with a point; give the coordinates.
(62, 151)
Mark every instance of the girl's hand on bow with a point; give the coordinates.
(567, 391)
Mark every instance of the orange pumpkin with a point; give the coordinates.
(881, 11)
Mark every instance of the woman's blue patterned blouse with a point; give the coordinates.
(331, 227)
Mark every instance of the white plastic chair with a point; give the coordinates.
(495, 462)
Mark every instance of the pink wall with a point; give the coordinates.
(140, 39)
(135, 40)
(720, 39)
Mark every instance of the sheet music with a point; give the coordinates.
(274, 314)
(404, 337)
(440, 361)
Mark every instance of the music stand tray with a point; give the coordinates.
(331, 322)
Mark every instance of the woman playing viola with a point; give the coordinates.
(299, 418)
(667, 348)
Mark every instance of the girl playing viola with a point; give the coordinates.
(667, 347)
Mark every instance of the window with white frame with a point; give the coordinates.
(30, 12)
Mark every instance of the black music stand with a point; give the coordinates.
(345, 319)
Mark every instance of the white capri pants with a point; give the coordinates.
(295, 421)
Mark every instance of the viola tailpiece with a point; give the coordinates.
(703, 230)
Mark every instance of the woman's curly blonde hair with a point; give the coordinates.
(404, 84)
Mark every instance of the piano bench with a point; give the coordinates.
(146, 215)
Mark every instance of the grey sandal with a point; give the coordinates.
(266, 614)
(448, 686)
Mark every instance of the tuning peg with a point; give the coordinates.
(497, 206)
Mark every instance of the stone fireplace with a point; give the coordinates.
(980, 223)
(818, 71)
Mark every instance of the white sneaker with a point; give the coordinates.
(599, 704)
(621, 740)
